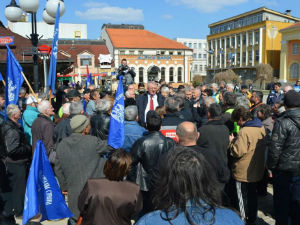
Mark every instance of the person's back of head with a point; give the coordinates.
(214, 111)
(172, 106)
(229, 99)
(103, 106)
(131, 113)
(153, 121)
(259, 96)
(180, 100)
(76, 108)
(187, 134)
(185, 177)
(242, 100)
(264, 111)
(240, 113)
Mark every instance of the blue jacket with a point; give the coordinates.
(132, 131)
(222, 216)
(273, 98)
(91, 108)
(29, 115)
(296, 88)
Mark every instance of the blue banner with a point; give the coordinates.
(53, 59)
(14, 79)
(43, 195)
(116, 127)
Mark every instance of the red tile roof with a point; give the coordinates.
(143, 39)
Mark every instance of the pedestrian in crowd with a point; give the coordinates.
(86, 98)
(101, 120)
(161, 111)
(222, 85)
(215, 92)
(189, 92)
(187, 135)
(229, 104)
(63, 128)
(60, 98)
(2, 109)
(91, 106)
(187, 192)
(112, 200)
(242, 100)
(230, 87)
(248, 153)
(79, 157)
(185, 113)
(30, 114)
(43, 127)
(206, 93)
(65, 109)
(132, 130)
(245, 91)
(149, 101)
(278, 109)
(275, 95)
(296, 86)
(22, 99)
(256, 101)
(141, 88)
(214, 135)
(165, 91)
(287, 88)
(172, 118)
(284, 161)
(198, 108)
(146, 152)
(207, 102)
(16, 155)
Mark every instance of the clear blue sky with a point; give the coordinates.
(170, 18)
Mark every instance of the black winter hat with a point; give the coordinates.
(292, 99)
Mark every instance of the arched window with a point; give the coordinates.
(179, 74)
(141, 75)
(294, 71)
(163, 73)
(171, 74)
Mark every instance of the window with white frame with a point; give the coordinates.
(295, 50)
(294, 71)
(171, 74)
(85, 59)
(179, 74)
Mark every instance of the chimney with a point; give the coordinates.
(288, 12)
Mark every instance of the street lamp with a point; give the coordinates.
(13, 13)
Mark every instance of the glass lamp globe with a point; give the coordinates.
(13, 12)
(48, 19)
(51, 7)
(30, 6)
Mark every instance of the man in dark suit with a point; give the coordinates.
(149, 101)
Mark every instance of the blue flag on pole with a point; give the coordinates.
(14, 79)
(1, 77)
(91, 79)
(116, 127)
(52, 69)
(43, 195)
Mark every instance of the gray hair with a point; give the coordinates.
(103, 105)
(172, 105)
(165, 89)
(230, 85)
(76, 108)
(242, 100)
(151, 82)
(131, 112)
(11, 110)
(43, 106)
(42, 96)
(215, 85)
(66, 108)
(208, 101)
(188, 89)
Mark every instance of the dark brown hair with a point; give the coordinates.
(117, 165)
(241, 112)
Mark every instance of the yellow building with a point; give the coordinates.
(290, 57)
(246, 40)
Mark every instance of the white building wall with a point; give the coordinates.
(66, 30)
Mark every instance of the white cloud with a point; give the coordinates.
(112, 14)
(92, 4)
(207, 6)
(167, 16)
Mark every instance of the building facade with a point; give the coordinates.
(290, 57)
(199, 47)
(242, 42)
(152, 56)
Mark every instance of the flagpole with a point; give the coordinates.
(30, 88)
(3, 82)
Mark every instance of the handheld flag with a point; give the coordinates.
(91, 79)
(1, 77)
(116, 127)
(43, 195)
(14, 79)
(52, 69)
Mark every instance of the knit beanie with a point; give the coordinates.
(292, 99)
(78, 123)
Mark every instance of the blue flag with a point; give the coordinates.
(1, 77)
(116, 127)
(52, 69)
(14, 79)
(43, 195)
(91, 79)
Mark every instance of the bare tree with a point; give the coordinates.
(197, 80)
(264, 73)
(227, 76)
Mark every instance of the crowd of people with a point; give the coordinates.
(192, 155)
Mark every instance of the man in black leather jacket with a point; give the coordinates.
(127, 73)
(284, 161)
(146, 152)
(17, 159)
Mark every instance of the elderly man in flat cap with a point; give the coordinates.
(78, 158)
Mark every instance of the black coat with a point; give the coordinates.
(172, 119)
(142, 102)
(100, 125)
(199, 113)
(62, 130)
(284, 153)
(146, 152)
(16, 145)
(215, 136)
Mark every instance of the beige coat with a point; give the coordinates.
(248, 152)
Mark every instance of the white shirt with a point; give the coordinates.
(155, 104)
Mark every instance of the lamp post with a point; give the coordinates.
(13, 13)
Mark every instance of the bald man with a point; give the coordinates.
(187, 135)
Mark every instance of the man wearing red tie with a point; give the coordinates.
(149, 101)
